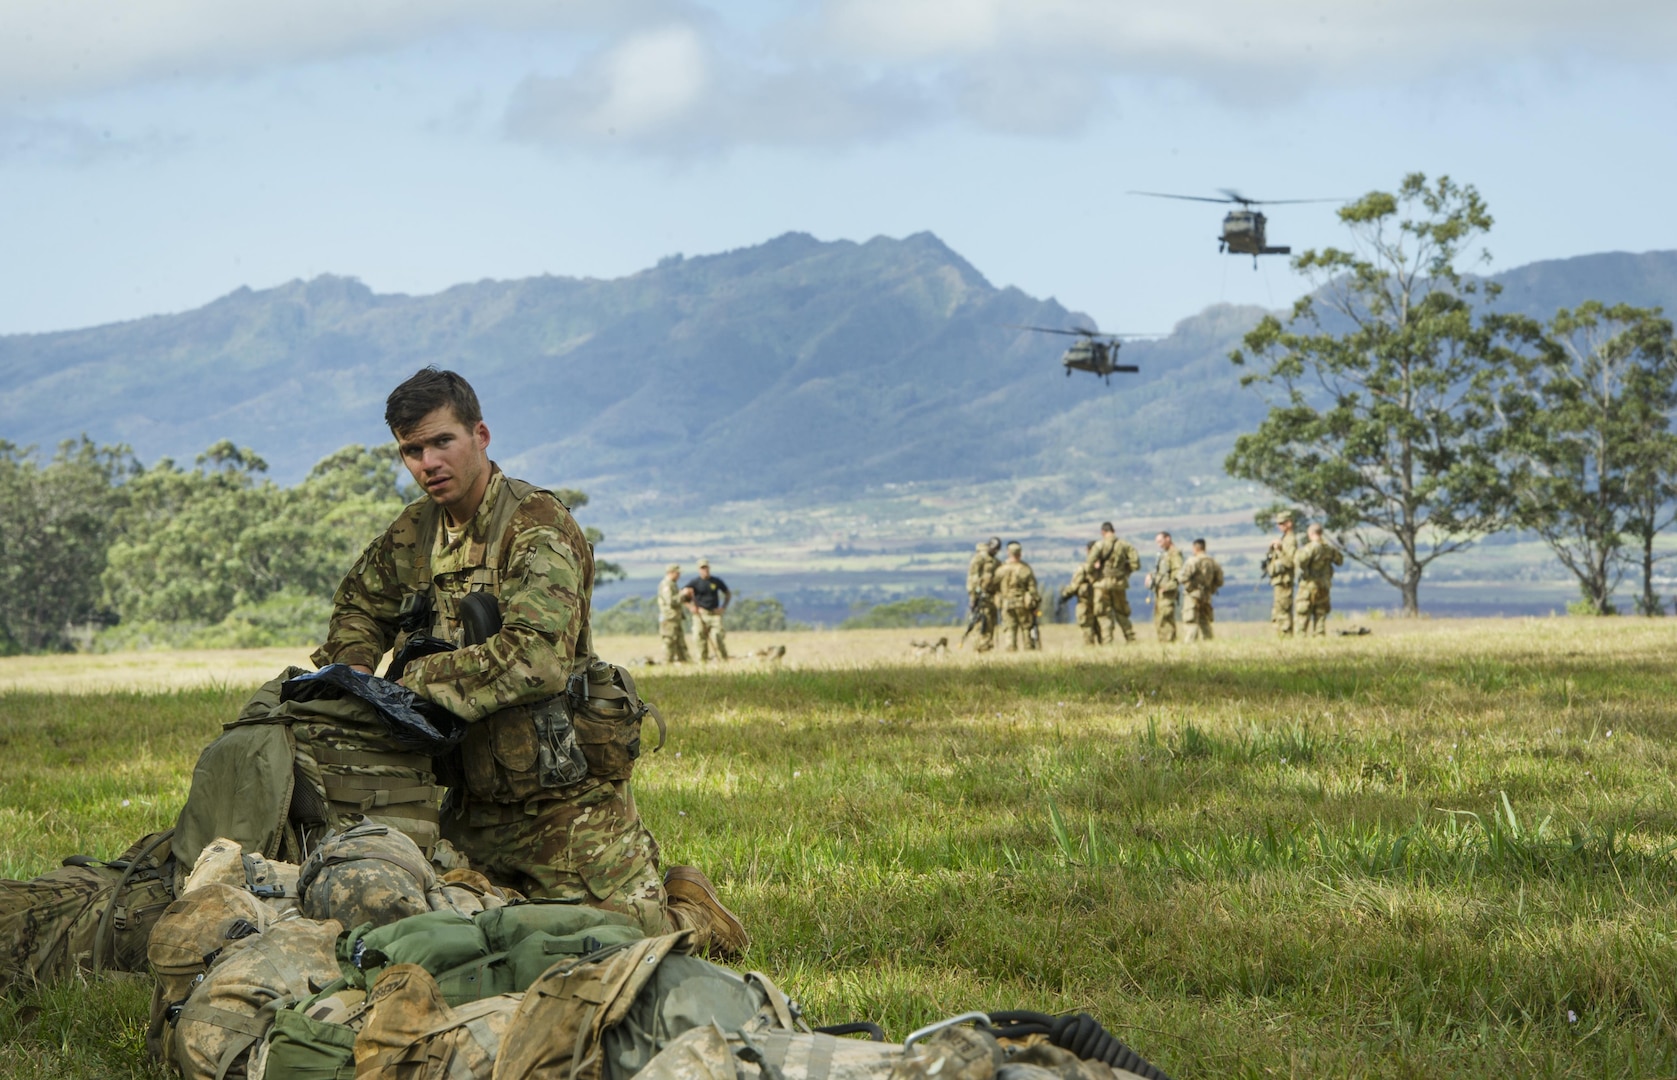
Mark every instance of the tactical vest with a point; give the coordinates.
(589, 732)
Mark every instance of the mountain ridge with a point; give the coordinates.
(797, 369)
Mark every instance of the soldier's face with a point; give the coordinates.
(449, 460)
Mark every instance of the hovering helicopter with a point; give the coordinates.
(1093, 352)
(1243, 229)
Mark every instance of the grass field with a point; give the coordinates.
(1442, 850)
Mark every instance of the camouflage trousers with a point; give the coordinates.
(1016, 624)
(1112, 610)
(1281, 612)
(1164, 615)
(708, 625)
(986, 628)
(1197, 613)
(674, 633)
(588, 847)
(1087, 623)
(1310, 611)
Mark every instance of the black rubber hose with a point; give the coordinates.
(874, 1032)
(1079, 1033)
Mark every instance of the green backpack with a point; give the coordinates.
(499, 951)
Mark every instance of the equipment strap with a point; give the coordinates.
(357, 795)
(243, 1023)
(326, 755)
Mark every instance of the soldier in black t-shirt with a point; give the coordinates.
(707, 598)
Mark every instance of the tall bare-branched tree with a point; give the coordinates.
(1383, 382)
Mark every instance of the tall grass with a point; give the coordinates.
(1444, 854)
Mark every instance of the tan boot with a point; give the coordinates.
(693, 904)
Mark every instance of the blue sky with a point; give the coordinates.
(155, 154)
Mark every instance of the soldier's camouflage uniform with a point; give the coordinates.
(519, 820)
(672, 622)
(1281, 579)
(1083, 588)
(1117, 559)
(981, 595)
(1201, 578)
(1016, 584)
(1315, 562)
(1167, 585)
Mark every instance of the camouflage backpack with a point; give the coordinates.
(943, 1052)
(284, 773)
(87, 915)
(605, 1016)
(371, 873)
(412, 1031)
(211, 1035)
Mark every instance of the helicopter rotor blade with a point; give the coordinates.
(1057, 330)
(1188, 198)
(1235, 196)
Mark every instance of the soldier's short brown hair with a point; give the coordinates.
(1106, 526)
(426, 391)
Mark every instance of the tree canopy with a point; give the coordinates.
(1382, 386)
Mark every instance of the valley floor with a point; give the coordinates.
(1444, 849)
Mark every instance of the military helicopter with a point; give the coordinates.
(1243, 229)
(1093, 352)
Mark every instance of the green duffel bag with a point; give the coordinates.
(499, 951)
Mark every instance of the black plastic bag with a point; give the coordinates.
(414, 723)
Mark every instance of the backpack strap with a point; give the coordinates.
(102, 935)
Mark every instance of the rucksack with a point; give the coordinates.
(87, 915)
(604, 1016)
(499, 951)
(210, 1036)
(371, 873)
(711, 1052)
(284, 773)
(412, 1031)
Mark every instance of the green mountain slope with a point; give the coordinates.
(797, 370)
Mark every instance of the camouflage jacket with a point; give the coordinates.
(540, 569)
(1281, 558)
(981, 572)
(1112, 559)
(670, 607)
(1082, 586)
(1167, 571)
(1016, 582)
(1315, 563)
(1201, 576)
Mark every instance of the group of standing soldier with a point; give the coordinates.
(1004, 595)
(706, 599)
(1302, 578)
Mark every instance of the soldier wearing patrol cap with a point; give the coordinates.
(1278, 567)
(981, 593)
(672, 617)
(1016, 584)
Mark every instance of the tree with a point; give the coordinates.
(53, 539)
(1588, 437)
(1385, 376)
(915, 611)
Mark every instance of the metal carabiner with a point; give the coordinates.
(933, 1029)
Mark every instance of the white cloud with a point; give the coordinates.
(57, 48)
(1302, 39)
(673, 90)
